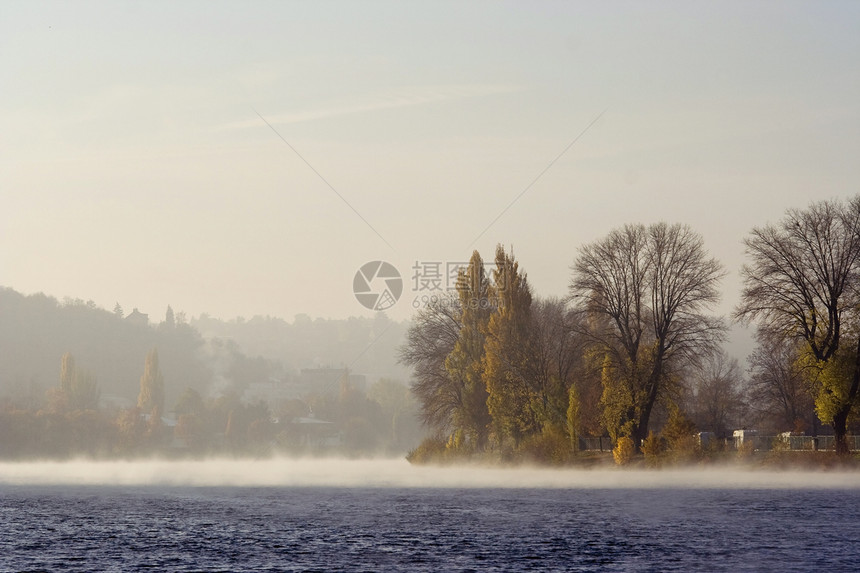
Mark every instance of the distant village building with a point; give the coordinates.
(319, 381)
(329, 380)
(138, 318)
(272, 391)
(705, 438)
(749, 436)
(315, 433)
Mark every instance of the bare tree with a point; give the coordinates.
(719, 394)
(777, 389)
(801, 283)
(555, 349)
(431, 338)
(645, 291)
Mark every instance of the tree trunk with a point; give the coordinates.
(840, 430)
(640, 429)
(840, 419)
(637, 435)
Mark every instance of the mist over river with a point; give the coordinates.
(322, 515)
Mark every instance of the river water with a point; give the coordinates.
(606, 521)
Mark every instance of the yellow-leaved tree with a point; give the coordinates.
(465, 364)
(508, 374)
(801, 284)
(151, 396)
(647, 293)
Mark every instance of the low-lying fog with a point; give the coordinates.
(331, 472)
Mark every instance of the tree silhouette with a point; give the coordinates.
(801, 284)
(644, 292)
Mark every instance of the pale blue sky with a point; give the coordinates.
(133, 167)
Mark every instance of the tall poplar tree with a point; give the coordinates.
(507, 371)
(78, 388)
(151, 397)
(67, 373)
(465, 362)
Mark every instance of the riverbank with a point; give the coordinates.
(691, 458)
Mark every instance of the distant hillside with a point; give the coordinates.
(36, 330)
(209, 355)
(364, 345)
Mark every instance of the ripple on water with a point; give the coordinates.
(297, 529)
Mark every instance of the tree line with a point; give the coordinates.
(116, 396)
(70, 421)
(210, 355)
(636, 347)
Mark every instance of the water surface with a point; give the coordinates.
(307, 528)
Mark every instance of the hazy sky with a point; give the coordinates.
(135, 169)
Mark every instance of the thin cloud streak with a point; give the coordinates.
(395, 99)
